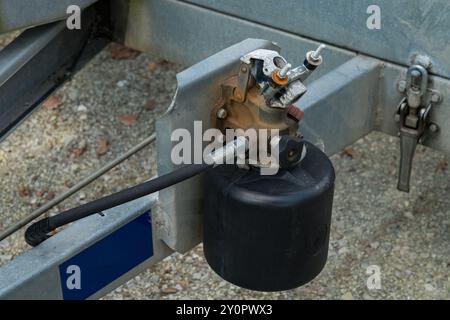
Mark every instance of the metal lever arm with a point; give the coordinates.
(408, 143)
(409, 137)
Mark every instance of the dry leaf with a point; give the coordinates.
(349, 152)
(183, 283)
(165, 63)
(150, 105)
(102, 146)
(68, 184)
(152, 66)
(50, 196)
(78, 152)
(42, 192)
(442, 165)
(169, 290)
(80, 149)
(120, 52)
(128, 119)
(24, 191)
(52, 103)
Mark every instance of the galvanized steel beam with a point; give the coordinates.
(187, 34)
(407, 27)
(38, 62)
(39, 272)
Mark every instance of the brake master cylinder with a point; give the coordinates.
(268, 232)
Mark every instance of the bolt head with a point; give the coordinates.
(222, 113)
(244, 69)
(433, 127)
(435, 98)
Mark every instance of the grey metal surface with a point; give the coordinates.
(198, 90)
(37, 62)
(407, 26)
(35, 274)
(17, 14)
(340, 106)
(186, 33)
(360, 96)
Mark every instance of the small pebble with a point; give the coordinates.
(122, 83)
(82, 108)
(347, 296)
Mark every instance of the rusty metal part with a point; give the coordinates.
(260, 96)
(278, 79)
(253, 112)
(243, 82)
(295, 112)
(222, 113)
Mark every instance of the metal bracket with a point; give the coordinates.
(413, 117)
(243, 80)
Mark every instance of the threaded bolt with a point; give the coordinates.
(283, 72)
(316, 54)
(433, 127)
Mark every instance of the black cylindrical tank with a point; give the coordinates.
(269, 233)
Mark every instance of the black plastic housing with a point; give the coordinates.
(269, 233)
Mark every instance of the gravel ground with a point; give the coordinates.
(113, 103)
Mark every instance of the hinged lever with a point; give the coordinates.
(409, 137)
(413, 117)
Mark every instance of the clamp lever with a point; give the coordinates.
(413, 118)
